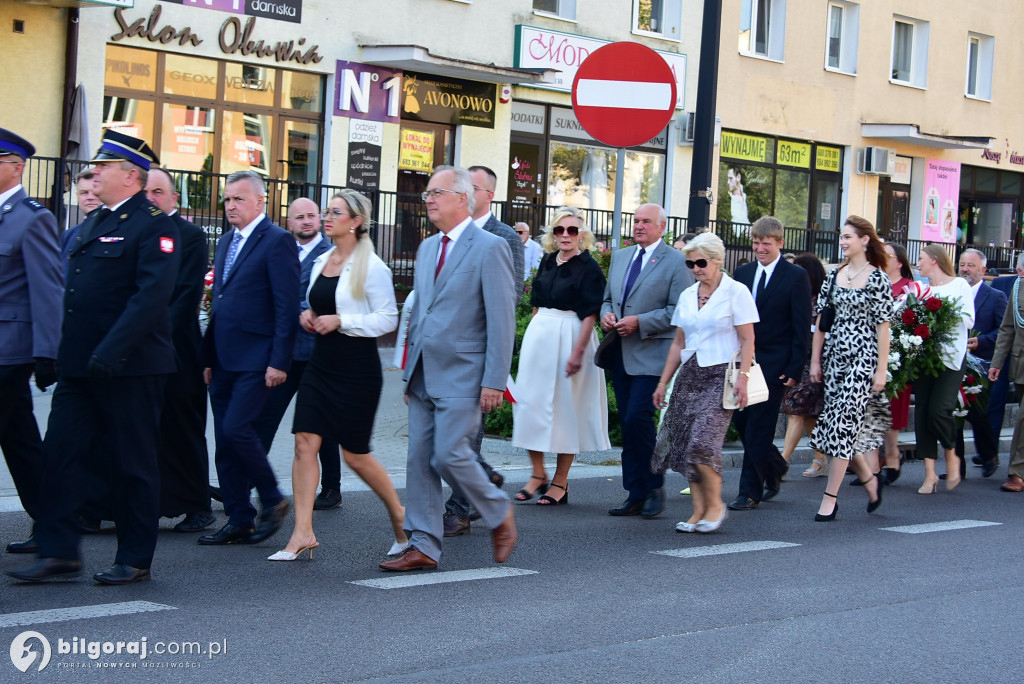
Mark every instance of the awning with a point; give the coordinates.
(912, 135)
(416, 58)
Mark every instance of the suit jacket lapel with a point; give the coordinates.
(250, 244)
(652, 263)
(455, 255)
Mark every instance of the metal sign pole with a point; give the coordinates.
(620, 171)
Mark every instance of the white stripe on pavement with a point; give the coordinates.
(940, 526)
(36, 617)
(623, 94)
(423, 578)
(741, 547)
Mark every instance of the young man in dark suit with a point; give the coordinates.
(782, 292)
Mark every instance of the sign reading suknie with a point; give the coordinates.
(285, 10)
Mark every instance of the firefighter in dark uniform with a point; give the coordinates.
(31, 284)
(114, 357)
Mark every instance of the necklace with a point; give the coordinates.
(702, 299)
(560, 260)
(851, 276)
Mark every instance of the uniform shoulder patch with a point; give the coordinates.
(35, 205)
(154, 211)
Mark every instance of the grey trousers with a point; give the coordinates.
(457, 504)
(441, 435)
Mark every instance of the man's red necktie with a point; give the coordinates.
(444, 249)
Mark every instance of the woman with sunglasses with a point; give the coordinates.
(714, 317)
(562, 402)
(352, 302)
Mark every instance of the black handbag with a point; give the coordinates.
(610, 345)
(827, 314)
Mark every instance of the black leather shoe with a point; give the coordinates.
(742, 503)
(654, 504)
(454, 525)
(628, 507)
(977, 460)
(87, 525)
(270, 521)
(989, 469)
(47, 569)
(774, 484)
(327, 498)
(229, 534)
(118, 574)
(497, 478)
(27, 546)
(196, 522)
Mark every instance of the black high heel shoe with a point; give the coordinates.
(873, 505)
(551, 501)
(891, 475)
(523, 495)
(818, 517)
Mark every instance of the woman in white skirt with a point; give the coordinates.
(562, 400)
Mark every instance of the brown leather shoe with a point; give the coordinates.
(1014, 483)
(504, 537)
(411, 559)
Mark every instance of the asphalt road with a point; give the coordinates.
(594, 601)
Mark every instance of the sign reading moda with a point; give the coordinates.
(285, 10)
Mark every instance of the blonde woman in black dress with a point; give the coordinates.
(352, 303)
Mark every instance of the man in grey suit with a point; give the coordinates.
(458, 511)
(30, 316)
(460, 352)
(644, 282)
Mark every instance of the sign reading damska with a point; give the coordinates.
(285, 10)
(364, 142)
(438, 99)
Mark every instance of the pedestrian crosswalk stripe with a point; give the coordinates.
(423, 578)
(940, 526)
(719, 549)
(36, 617)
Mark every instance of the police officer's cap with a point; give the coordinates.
(120, 147)
(12, 143)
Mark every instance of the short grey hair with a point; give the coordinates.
(979, 253)
(463, 183)
(1020, 260)
(255, 179)
(708, 243)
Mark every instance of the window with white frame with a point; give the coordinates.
(980, 53)
(841, 40)
(564, 9)
(763, 28)
(662, 18)
(909, 52)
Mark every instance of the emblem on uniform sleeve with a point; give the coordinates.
(167, 245)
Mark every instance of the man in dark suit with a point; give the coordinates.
(184, 462)
(85, 189)
(999, 392)
(247, 351)
(304, 224)
(114, 358)
(458, 511)
(989, 307)
(644, 283)
(782, 292)
(30, 293)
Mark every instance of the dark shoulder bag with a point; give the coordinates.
(827, 315)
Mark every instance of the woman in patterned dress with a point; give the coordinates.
(856, 413)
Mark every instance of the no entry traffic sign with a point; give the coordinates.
(624, 94)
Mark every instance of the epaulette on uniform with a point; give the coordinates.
(35, 205)
(154, 211)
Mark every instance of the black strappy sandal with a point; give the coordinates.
(523, 495)
(549, 501)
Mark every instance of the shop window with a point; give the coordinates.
(250, 84)
(909, 52)
(246, 143)
(130, 69)
(986, 181)
(187, 138)
(763, 28)
(584, 176)
(745, 195)
(792, 197)
(980, 54)
(302, 91)
(190, 77)
(843, 31)
(1009, 184)
(563, 9)
(129, 116)
(662, 18)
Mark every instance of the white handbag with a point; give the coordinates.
(757, 388)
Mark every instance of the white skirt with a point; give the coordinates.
(555, 413)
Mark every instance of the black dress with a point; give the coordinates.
(341, 387)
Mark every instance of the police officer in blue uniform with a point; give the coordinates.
(114, 358)
(31, 283)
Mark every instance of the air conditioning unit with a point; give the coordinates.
(877, 161)
(687, 124)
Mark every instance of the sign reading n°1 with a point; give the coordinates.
(285, 10)
(367, 92)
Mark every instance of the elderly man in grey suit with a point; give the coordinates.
(460, 351)
(30, 297)
(644, 283)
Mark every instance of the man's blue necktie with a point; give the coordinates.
(634, 272)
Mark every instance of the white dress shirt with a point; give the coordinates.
(246, 232)
(768, 271)
(711, 330)
(4, 196)
(305, 249)
(453, 235)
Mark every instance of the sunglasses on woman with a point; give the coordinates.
(558, 230)
(699, 263)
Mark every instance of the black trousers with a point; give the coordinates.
(761, 458)
(19, 435)
(184, 461)
(985, 441)
(126, 412)
(270, 420)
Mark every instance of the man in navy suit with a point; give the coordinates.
(783, 296)
(989, 307)
(304, 224)
(1000, 389)
(247, 351)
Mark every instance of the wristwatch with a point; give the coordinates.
(745, 373)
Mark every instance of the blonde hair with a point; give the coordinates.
(547, 240)
(359, 207)
(941, 257)
(708, 243)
